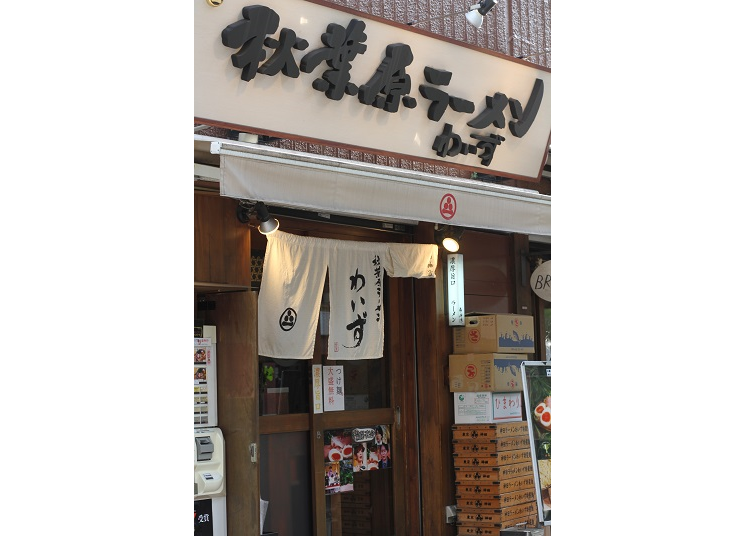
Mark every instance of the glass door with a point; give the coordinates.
(357, 449)
(327, 472)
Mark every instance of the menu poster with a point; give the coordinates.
(537, 388)
(202, 384)
(333, 385)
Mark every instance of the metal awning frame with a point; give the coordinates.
(327, 184)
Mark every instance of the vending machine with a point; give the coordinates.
(209, 495)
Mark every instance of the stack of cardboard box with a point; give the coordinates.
(488, 351)
(493, 463)
(494, 478)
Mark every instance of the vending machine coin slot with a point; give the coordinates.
(204, 448)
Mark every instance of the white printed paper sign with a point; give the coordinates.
(333, 388)
(317, 388)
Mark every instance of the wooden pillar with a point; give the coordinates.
(524, 295)
(435, 400)
(237, 379)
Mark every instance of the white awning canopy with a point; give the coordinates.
(337, 186)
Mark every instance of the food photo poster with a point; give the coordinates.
(352, 450)
(537, 386)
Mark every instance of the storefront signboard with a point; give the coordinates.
(334, 75)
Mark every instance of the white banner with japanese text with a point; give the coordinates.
(294, 273)
(355, 277)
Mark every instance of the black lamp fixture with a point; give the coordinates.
(476, 13)
(245, 209)
(448, 236)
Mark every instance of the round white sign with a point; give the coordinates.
(541, 281)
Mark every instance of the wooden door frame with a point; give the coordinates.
(401, 415)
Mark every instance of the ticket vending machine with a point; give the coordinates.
(209, 495)
(210, 500)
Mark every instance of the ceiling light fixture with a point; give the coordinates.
(449, 237)
(476, 13)
(268, 224)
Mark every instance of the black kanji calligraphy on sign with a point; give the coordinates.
(249, 34)
(342, 46)
(390, 82)
(492, 114)
(450, 144)
(488, 144)
(526, 117)
(354, 279)
(440, 99)
(282, 60)
(357, 328)
(376, 272)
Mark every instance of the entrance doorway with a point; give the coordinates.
(354, 470)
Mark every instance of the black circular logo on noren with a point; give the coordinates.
(288, 319)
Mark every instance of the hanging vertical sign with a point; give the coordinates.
(317, 388)
(333, 380)
(455, 295)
